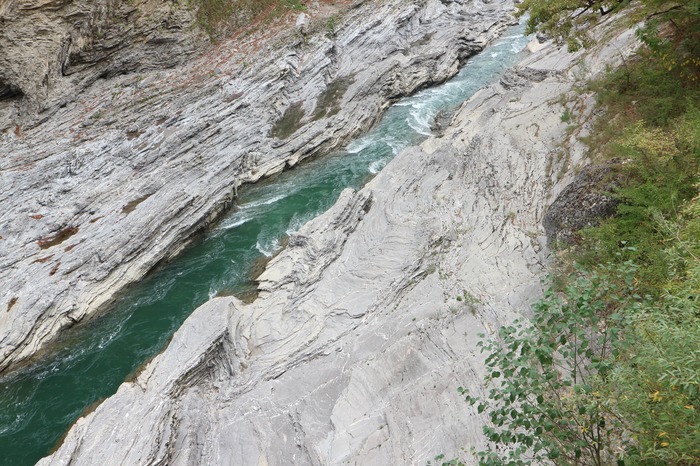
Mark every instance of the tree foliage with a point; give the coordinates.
(599, 376)
(548, 399)
(656, 384)
(566, 21)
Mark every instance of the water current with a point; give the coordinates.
(40, 402)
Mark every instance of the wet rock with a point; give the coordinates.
(441, 121)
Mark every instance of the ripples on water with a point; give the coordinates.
(39, 403)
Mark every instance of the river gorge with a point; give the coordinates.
(382, 256)
(39, 403)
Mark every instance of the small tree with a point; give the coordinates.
(566, 21)
(547, 400)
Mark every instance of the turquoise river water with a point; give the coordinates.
(40, 402)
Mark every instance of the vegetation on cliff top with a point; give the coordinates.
(214, 16)
(608, 370)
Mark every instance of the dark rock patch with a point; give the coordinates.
(58, 238)
(583, 203)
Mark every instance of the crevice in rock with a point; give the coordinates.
(9, 92)
(215, 364)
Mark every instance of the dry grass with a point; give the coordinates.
(218, 17)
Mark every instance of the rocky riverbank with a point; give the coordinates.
(114, 180)
(367, 322)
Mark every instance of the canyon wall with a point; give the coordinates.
(54, 49)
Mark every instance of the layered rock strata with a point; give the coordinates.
(52, 49)
(367, 322)
(117, 180)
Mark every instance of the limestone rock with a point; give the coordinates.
(535, 45)
(52, 49)
(303, 23)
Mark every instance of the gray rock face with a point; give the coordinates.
(119, 180)
(52, 49)
(583, 203)
(367, 322)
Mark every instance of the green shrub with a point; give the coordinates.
(547, 400)
(651, 127)
(656, 384)
(599, 376)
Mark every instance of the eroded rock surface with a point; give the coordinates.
(52, 49)
(367, 322)
(119, 179)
